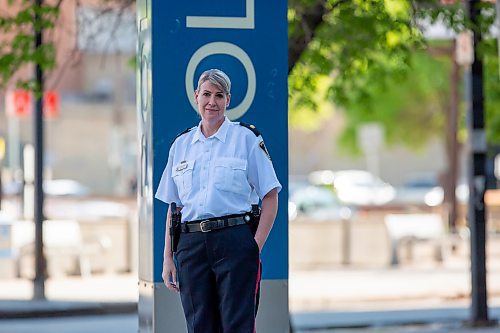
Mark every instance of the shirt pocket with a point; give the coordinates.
(182, 174)
(231, 175)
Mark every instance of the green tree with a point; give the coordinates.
(17, 40)
(347, 53)
(410, 108)
(374, 52)
(492, 92)
(17, 45)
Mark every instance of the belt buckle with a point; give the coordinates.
(202, 226)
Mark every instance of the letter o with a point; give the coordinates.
(232, 50)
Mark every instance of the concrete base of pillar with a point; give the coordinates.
(161, 311)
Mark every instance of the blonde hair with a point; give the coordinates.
(217, 77)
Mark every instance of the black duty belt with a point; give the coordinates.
(215, 223)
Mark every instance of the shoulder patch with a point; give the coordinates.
(181, 134)
(251, 128)
(264, 148)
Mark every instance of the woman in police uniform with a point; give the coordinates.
(215, 172)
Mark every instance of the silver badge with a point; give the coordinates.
(183, 165)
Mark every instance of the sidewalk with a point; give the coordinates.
(408, 299)
(98, 294)
(414, 298)
(429, 320)
(401, 288)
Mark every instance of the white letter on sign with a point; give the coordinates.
(238, 53)
(224, 22)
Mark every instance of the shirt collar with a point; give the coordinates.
(220, 134)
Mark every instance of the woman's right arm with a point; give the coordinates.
(169, 273)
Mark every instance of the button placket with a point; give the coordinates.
(205, 171)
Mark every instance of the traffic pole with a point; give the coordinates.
(477, 176)
(40, 264)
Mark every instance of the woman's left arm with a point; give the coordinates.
(267, 216)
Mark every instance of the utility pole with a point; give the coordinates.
(40, 264)
(451, 198)
(477, 179)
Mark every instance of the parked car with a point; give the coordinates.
(317, 203)
(359, 187)
(295, 185)
(436, 197)
(321, 177)
(65, 187)
(52, 187)
(423, 190)
(427, 191)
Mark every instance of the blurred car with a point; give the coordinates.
(292, 210)
(427, 191)
(419, 191)
(53, 187)
(322, 177)
(295, 185)
(317, 203)
(11, 188)
(359, 187)
(65, 187)
(436, 196)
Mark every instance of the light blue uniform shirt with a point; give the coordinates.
(220, 175)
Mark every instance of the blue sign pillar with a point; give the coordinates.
(178, 40)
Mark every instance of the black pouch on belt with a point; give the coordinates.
(254, 223)
(175, 227)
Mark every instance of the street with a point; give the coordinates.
(407, 329)
(85, 324)
(129, 324)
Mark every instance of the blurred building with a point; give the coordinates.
(319, 150)
(92, 140)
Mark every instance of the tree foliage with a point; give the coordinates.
(17, 44)
(366, 57)
(410, 109)
(20, 19)
(379, 65)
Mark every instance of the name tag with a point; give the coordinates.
(183, 165)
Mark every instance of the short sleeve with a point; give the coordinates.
(167, 190)
(261, 174)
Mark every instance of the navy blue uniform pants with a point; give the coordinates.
(219, 279)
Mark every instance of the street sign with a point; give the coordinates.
(370, 137)
(464, 48)
(18, 103)
(51, 104)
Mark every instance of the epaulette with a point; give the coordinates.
(251, 128)
(180, 134)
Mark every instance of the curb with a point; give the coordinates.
(385, 318)
(41, 309)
